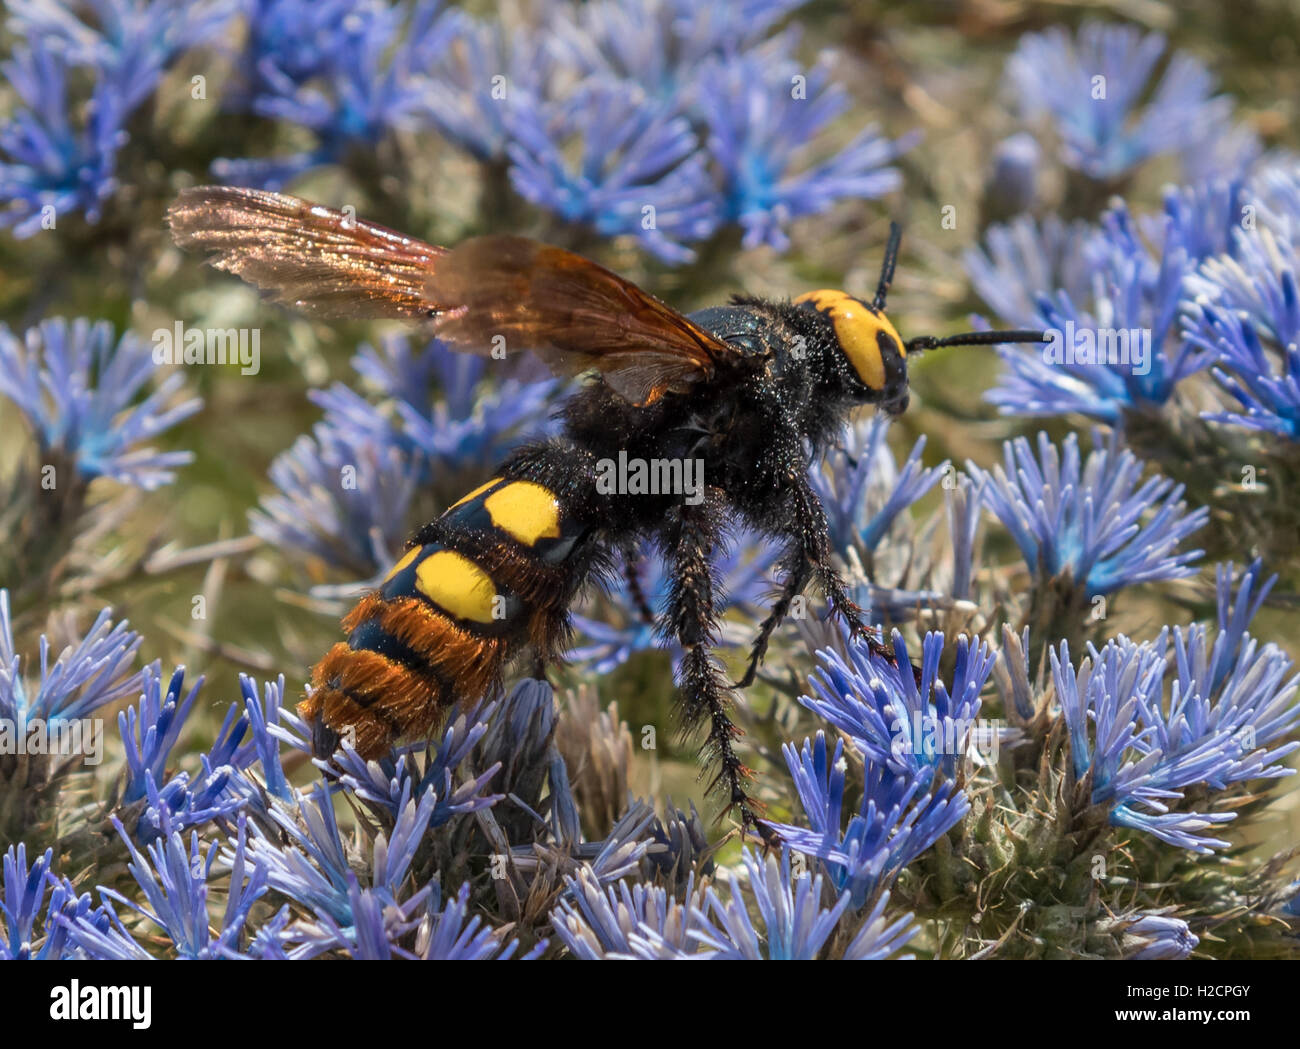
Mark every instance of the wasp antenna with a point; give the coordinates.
(887, 267)
(976, 338)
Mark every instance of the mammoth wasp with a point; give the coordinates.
(754, 390)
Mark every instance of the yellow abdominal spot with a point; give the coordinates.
(856, 327)
(477, 491)
(405, 562)
(456, 584)
(526, 511)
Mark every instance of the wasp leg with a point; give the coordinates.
(795, 580)
(634, 584)
(691, 618)
(812, 534)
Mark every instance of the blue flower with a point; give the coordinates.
(1269, 395)
(1236, 606)
(68, 908)
(1124, 352)
(893, 721)
(898, 819)
(76, 387)
(1025, 259)
(151, 730)
(352, 92)
(639, 171)
(474, 420)
(1245, 310)
(760, 116)
(24, 896)
(263, 747)
(389, 782)
(879, 938)
(863, 489)
(1255, 283)
(343, 498)
(1276, 185)
(598, 921)
(149, 734)
(296, 41)
(795, 923)
(92, 674)
(174, 880)
(375, 929)
(1098, 89)
(130, 41)
(449, 934)
(662, 44)
(1154, 936)
(962, 504)
(46, 162)
(1085, 517)
(313, 868)
(488, 79)
(1144, 753)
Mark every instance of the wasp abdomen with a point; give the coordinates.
(485, 579)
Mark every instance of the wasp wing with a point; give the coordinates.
(570, 311)
(302, 254)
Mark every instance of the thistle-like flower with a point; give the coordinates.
(1099, 91)
(1215, 729)
(87, 676)
(449, 934)
(23, 900)
(1026, 259)
(1124, 351)
(760, 115)
(50, 168)
(173, 881)
(619, 920)
(364, 82)
(1084, 517)
(1152, 936)
(77, 386)
(894, 722)
(639, 171)
(898, 819)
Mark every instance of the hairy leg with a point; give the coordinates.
(691, 618)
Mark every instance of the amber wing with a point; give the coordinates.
(571, 312)
(318, 259)
(490, 293)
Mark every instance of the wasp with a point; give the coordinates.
(754, 391)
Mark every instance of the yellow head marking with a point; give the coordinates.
(477, 492)
(857, 327)
(455, 583)
(405, 562)
(526, 511)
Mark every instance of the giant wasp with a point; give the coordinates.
(754, 390)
